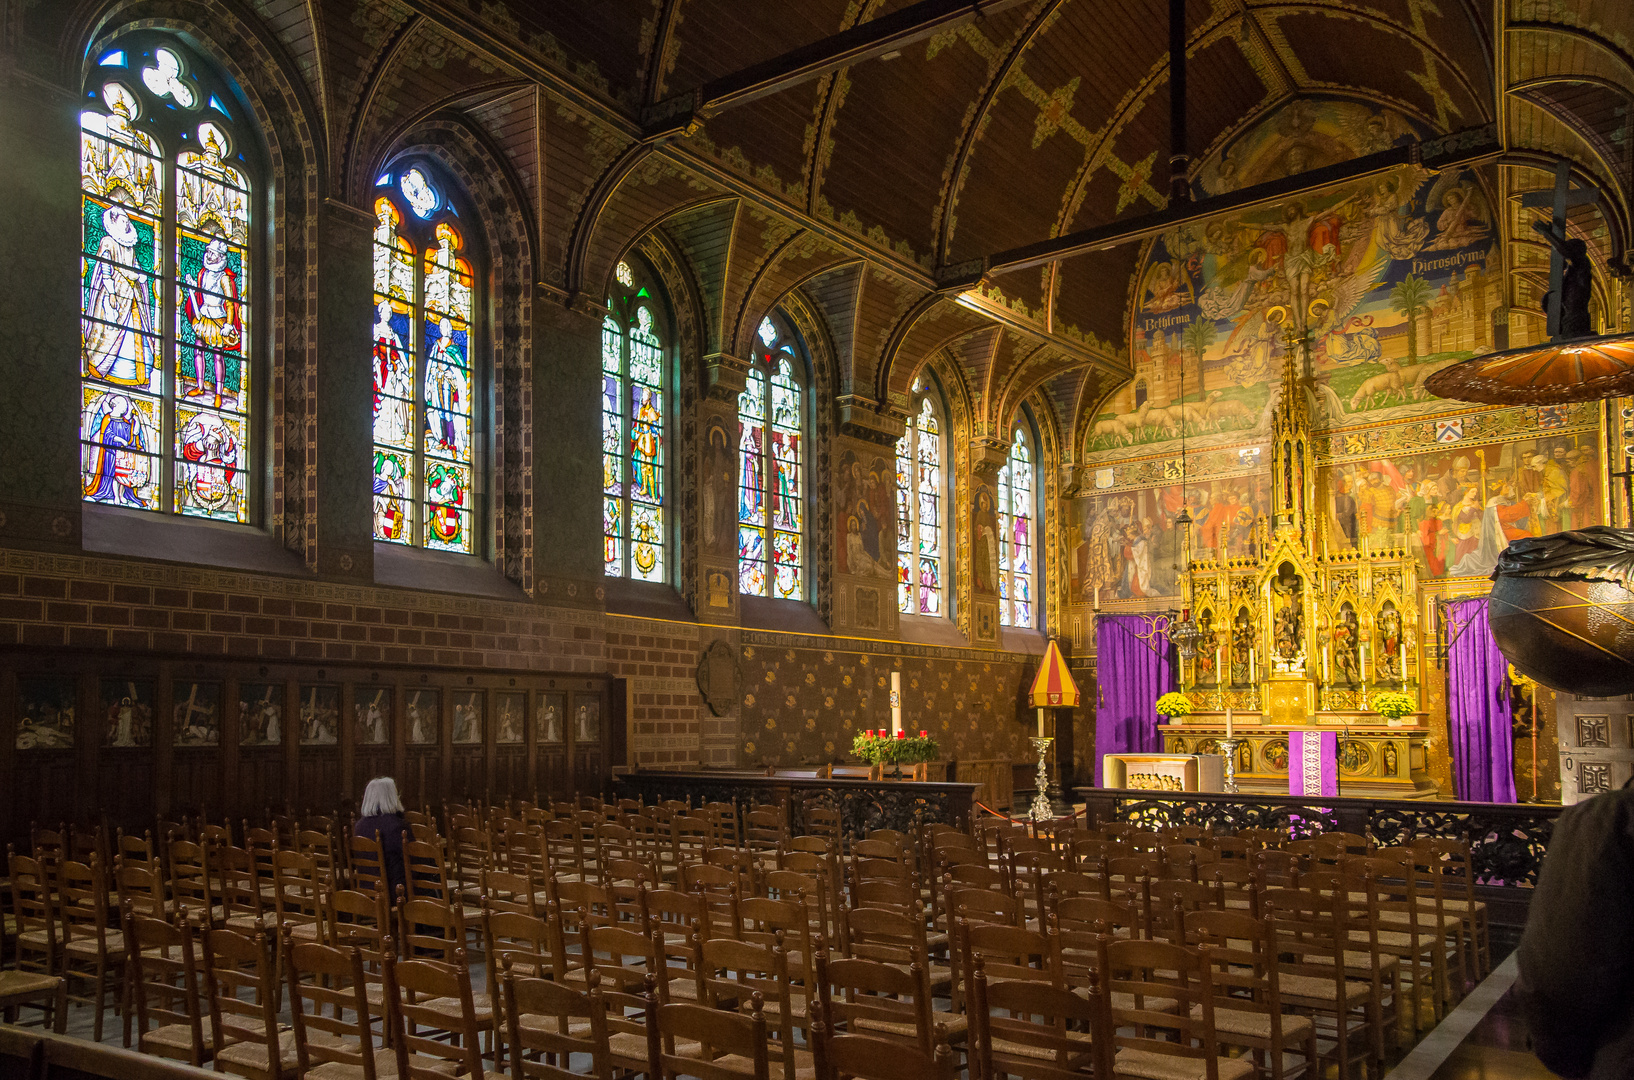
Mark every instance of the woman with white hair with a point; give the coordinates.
(382, 817)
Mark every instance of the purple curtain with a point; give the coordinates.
(1130, 674)
(1483, 751)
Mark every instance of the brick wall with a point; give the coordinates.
(57, 601)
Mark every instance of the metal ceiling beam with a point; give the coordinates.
(876, 37)
(1458, 150)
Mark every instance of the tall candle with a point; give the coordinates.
(1251, 675)
(896, 703)
(1040, 723)
(1228, 721)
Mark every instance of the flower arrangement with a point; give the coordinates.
(1393, 704)
(878, 747)
(1174, 704)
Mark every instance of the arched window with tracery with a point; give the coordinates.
(1017, 512)
(634, 431)
(771, 468)
(170, 179)
(425, 475)
(921, 533)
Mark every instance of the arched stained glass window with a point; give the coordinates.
(425, 475)
(1017, 511)
(771, 469)
(634, 440)
(168, 205)
(921, 536)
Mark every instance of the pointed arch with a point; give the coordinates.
(173, 176)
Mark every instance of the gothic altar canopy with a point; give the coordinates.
(1294, 634)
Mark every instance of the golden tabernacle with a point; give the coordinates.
(1290, 634)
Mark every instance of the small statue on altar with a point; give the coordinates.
(1288, 628)
(1242, 647)
(1346, 639)
(1389, 658)
(1208, 643)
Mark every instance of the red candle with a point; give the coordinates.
(923, 734)
(902, 734)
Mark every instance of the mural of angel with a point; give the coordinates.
(1464, 216)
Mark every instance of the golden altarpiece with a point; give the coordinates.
(1291, 635)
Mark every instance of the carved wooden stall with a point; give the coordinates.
(864, 805)
(88, 738)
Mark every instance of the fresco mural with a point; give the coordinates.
(1390, 276)
(1455, 507)
(1128, 547)
(865, 515)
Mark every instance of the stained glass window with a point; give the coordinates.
(425, 477)
(1016, 512)
(771, 464)
(166, 351)
(921, 550)
(634, 439)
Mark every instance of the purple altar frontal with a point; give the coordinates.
(1313, 763)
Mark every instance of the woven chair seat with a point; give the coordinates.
(804, 1064)
(1358, 962)
(253, 1055)
(482, 1008)
(176, 1038)
(629, 1050)
(955, 1024)
(86, 948)
(1308, 989)
(1152, 1066)
(26, 985)
(1256, 1025)
(1039, 1053)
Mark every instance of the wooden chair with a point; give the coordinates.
(710, 1044)
(868, 997)
(731, 971)
(1033, 1030)
(48, 993)
(894, 938)
(1447, 865)
(298, 907)
(368, 864)
(34, 916)
(92, 950)
(1247, 989)
(425, 871)
(243, 907)
(1310, 935)
(547, 1023)
(240, 987)
(192, 885)
(163, 983)
(1152, 986)
(331, 1013)
(867, 1057)
(434, 996)
(527, 947)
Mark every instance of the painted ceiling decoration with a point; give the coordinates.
(884, 157)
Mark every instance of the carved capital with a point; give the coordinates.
(1073, 478)
(987, 456)
(558, 310)
(862, 418)
(725, 376)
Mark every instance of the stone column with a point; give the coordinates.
(39, 309)
(714, 588)
(987, 457)
(864, 493)
(566, 442)
(340, 399)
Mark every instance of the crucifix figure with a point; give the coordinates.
(1571, 278)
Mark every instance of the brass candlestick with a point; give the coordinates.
(1042, 811)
